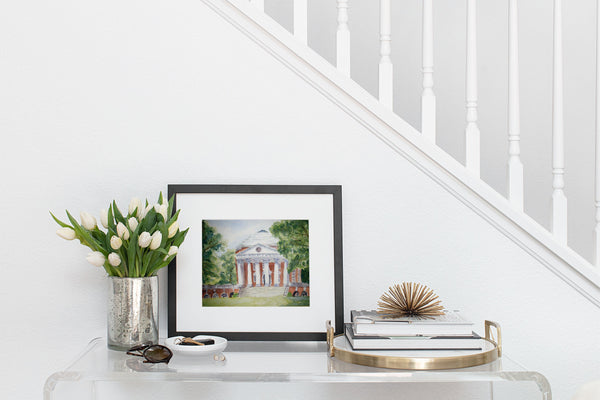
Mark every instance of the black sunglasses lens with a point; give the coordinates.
(156, 354)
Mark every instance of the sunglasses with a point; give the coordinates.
(153, 353)
(186, 341)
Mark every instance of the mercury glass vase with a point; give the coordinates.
(132, 311)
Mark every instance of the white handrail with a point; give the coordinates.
(515, 166)
(472, 135)
(559, 200)
(343, 38)
(386, 69)
(428, 111)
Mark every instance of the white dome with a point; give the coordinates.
(263, 237)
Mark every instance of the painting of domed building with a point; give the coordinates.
(255, 263)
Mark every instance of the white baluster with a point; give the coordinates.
(559, 200)
(260, 4)
(472, 131)
(343, 38)
(597, 228)
(301, 20)
(386, 69)
(428, 113)
(515, 166)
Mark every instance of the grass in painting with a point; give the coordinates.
(276, 301)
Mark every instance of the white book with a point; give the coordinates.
(375, 324)
(471, 342)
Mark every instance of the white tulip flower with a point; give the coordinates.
(172, 251)
(122, 231)
(96, 258)
(144, 240)
(104, 218)
(133, 223)
(135, 203)
(114, 259)
(173, 228)
(145, 211)
(66, 233)
(88, 221)
(116, 242)
(156, 239)
(162, 210)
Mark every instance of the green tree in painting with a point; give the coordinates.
(218, 263)
(212, 244)
(227, 268)
(293, 244)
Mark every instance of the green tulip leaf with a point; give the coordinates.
(119, 217)
(111, 219)
(59, 222)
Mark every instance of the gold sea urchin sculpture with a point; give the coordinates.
(410, 299)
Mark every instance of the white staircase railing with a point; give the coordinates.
(515, 166)
(559, 200)
(472, 132)
(597, 180)
(428, 113)
(472, 136)
(343, 38)
(386, 69)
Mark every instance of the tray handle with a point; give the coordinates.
(489, 335)
(330, 335)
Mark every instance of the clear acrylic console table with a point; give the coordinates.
(280, 370)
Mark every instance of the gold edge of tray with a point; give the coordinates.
(419, 363)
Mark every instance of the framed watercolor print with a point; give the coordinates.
(259, 262)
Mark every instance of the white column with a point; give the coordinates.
(515, 166)
(240, 277)
(343, 38)
(286, 275)
(428, 112)
(260, 4)
(276, 271)
(472, 131)
(257, 276)
(267, 272)
(301, 20)
(559, 200)
(249, 282)
(386, 69)
(597, 228)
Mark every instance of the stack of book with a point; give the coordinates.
(372, 331)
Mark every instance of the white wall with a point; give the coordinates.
(117, 99)
(449, 53)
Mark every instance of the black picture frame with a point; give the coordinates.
(337, 320)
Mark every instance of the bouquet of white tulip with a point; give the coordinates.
(134, 245)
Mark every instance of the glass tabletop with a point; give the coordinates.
(270, 362)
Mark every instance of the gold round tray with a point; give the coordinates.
(491, 350)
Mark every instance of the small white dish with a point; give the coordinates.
(219, 346)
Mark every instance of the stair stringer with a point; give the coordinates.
(409, 143)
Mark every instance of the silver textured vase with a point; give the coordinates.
(132, 311)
